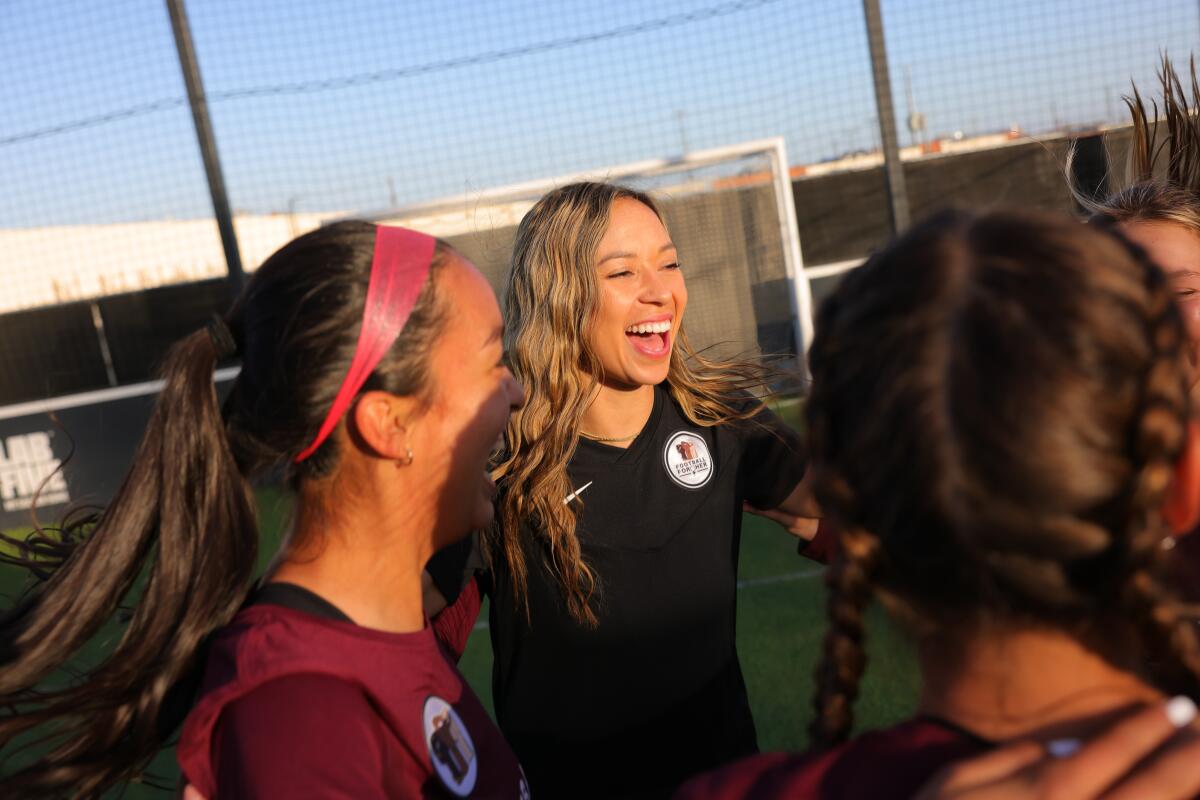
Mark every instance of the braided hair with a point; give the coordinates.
(998, 402)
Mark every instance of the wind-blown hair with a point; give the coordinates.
(176, 548)
(1162, 173)
(550, 301)
(997, 405)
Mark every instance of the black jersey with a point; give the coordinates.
(654, 693)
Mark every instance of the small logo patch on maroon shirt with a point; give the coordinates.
(450, 747)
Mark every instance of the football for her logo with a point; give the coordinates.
(687, 460)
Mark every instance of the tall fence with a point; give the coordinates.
(108, 245)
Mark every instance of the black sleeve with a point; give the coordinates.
(773, 459)
(453, 566)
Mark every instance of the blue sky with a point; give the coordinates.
(476, 94)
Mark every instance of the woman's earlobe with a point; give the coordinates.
(1181, 508)
(379, 424)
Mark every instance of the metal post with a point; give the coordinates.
(208, 145)
(102, 341)
(897, 191)
(800, 297)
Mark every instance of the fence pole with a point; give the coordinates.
(102, 341)
(208, 145)
(885, 110)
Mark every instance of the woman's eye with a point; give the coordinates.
(620, 274)
(673, 265)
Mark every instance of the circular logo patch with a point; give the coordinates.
(687, 460)
(450, 747)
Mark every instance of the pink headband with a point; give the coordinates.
(398, 271)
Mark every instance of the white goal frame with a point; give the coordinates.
(775, 151)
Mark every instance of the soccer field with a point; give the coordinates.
(780, 624)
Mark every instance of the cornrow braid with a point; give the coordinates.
(849, 578)
(1168, 637)
(843, 657)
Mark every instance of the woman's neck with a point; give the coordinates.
(1003, 685)
(362, 557)
(618, 413)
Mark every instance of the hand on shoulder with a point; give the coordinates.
(1152, 753)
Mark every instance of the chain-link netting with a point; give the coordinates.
(321, 111)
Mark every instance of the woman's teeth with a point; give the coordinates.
(650, 327)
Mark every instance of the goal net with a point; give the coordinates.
(729, 211)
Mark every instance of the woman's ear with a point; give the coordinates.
(381, 424)
(1181, 509)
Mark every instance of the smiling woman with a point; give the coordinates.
(612, 564)
(642, 298)
(382, 402)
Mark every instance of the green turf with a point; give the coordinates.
(780, 624)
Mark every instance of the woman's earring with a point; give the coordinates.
(408, 456)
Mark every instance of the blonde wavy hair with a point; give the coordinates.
(1162, 172)
(550, 301)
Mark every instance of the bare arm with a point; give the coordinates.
(798, 513)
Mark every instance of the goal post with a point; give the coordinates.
(729, 210)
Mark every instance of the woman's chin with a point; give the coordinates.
(485, 512)
(635, 375)
(651, 377)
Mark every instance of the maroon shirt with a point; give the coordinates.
(891, 763)
(823, 545)
(296, 705)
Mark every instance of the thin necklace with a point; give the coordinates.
(609, 438)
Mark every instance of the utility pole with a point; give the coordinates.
(897, 191)
(916, 120)
(208, 145)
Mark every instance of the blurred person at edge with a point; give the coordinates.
(1158, 207)
(372, 372)
(996, 424)
(612, 565)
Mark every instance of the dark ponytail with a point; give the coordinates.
(185, 516)
(177, 546)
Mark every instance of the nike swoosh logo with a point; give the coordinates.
(577, 492)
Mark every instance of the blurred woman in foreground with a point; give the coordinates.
(999, 406)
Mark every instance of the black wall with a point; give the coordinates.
(739, 290)
(48, 352)
(92, 443)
